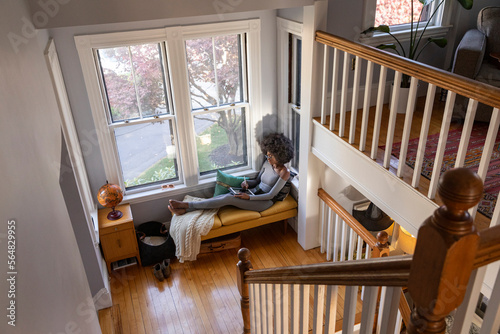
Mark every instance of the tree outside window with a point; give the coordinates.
(217, 90)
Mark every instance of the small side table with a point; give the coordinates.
(118, 239)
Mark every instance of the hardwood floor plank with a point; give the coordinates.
(201, 296)
(105, 321)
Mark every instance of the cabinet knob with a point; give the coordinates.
(116, 228)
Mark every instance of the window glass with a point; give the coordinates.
(397, 12)
(296, 138)
(134, 81)
(215, 81)
(220, 139)
(298, 70)
(143, 109)
(147, 153)
(294, 80)
(215, 71)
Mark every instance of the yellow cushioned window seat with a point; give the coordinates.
(231, 220)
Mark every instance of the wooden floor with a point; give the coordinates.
(202, 296)
(199, 296)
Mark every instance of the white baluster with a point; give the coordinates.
(323, 225)
(412, 99)
(467, 129)
(304, 308)
(438, 159)
(333, 94)
(253, 301)
(378, 111)
(489, 144)
(319, 308)
(330, 233)
(391, 126)
(269, 308)
(350, 299)
(424, 131)
(366, 106)
(324, 93)
(369, 306)
(389, 307)
(491, 322)
(355, 94)
(337, 239)
(331, 308)
(343, 98)
(295, 309)
(344, 241)
(359, 250)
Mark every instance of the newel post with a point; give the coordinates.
(243, 266)
(445, 251)
(381, 248)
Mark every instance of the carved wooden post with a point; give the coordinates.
(445, 252)
(381, 248)
(243, 266)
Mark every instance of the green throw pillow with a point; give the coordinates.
(224, 181)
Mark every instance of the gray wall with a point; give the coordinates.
(91, 256)
(64, 13)
(64, 39)
(51, 290)
(345, 19)
(467, 19)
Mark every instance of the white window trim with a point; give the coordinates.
(72, 142)
(285, 27)
(441, 28)
(174, 37)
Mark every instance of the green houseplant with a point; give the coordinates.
(415, 46)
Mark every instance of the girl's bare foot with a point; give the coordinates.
(178, 212)
(178, 204)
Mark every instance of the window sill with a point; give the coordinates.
(402, 36)
(158, 192)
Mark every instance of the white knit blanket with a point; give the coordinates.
(187, 229)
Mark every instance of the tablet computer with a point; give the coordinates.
(236, 191)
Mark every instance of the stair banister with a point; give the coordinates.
(445, 253)
(448, 249)
(243, 266)
(482, 92)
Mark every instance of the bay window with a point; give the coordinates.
(172, 105)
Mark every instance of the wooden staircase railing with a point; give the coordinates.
(352, 231)
(448, 249)
(338, 82)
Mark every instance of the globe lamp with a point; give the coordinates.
(109, 196)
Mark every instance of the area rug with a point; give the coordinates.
(474, 152)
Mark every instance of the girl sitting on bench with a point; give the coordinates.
(267, 188)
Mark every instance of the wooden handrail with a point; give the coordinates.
(348, 219)
(386, 271)
(461, 85)
(488, 250)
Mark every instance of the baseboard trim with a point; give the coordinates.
(102, 299)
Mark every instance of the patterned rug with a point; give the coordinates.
(475, 149)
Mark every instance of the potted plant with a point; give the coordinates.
(414, 48)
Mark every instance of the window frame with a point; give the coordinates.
(440, 26)
(285, 108)
(173, 38)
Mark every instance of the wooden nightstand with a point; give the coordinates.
(118, 239)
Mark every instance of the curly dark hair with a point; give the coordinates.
(279, 146)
